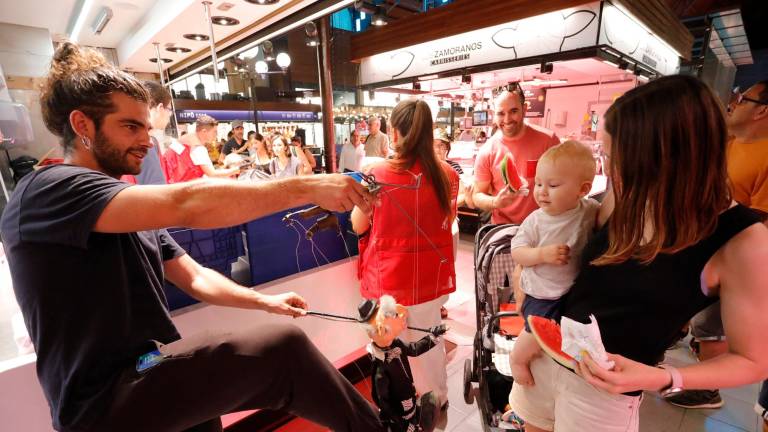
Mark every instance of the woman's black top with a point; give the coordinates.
(642, 308)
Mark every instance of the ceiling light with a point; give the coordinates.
(546, 68)
(261, 67)
(429, 77)
(165, 60)
(379, 20)
(283, 60)
(466, 79)
(178, 50)
(263, 2)
(269, 50)
(224, 21)
(539, 82)
(417, 85)
(196, 37)
(80, 20)
(312, 41)
(102, 19)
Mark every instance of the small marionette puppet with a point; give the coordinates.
(393, 390)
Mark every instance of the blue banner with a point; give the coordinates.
(189, 116)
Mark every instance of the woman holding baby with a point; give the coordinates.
(669, 242)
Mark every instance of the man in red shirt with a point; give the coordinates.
(525, 143)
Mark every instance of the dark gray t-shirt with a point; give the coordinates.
(92, 302)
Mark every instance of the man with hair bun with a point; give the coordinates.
(89, 253)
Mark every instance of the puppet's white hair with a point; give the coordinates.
(387, 306)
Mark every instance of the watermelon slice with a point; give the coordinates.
(547, 334)
(509, 173)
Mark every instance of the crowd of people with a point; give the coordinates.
(679, 232)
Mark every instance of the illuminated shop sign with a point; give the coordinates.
(555, 32)
(622, 32)
(189, 116)
(559, 31)
(306, 116)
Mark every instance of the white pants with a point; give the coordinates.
(428, 369)
(562, 401)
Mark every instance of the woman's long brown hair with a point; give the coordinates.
(668, 168)
(413, 121)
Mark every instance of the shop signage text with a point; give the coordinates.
(189, 116)
(559, 31)
(626, 35)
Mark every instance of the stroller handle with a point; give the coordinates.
(497, 316)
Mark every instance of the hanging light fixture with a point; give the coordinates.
(312, 39)
(269, 50)
(379, 19)
(283, 60)
(262, 67)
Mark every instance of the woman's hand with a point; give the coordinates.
(288, 303)
(627, 375)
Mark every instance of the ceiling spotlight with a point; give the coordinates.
(196, 37)
(546, 68)
(269, 50)
(379, 20)
(263, 2)
(417, 85)
(310, 29)
(165, 60)
(178, 50)
(102, 19)
(312, 41)
(283, 60)
(466, 79)
(224, 21)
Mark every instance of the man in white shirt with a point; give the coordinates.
(205, 131)
(352, 154)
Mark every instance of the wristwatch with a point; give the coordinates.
(676, 386)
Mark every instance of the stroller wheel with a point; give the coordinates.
(469, 397)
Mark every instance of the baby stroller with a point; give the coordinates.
(498, 324)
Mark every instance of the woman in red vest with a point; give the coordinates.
(406, 247)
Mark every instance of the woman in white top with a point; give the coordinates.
(289, 161)
(261, 156)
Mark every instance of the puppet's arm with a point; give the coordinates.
(415, 349)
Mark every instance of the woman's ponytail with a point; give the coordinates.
(413, 121)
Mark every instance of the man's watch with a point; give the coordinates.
(676, 386)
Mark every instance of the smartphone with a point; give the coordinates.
(148, 361)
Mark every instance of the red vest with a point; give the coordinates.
(396, 258)
(179, 167)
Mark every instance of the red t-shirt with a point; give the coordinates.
(529, 147)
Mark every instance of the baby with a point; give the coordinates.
(549, 242)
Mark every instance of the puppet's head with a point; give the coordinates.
(384, 319)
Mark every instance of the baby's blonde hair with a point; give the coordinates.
(577, 154)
